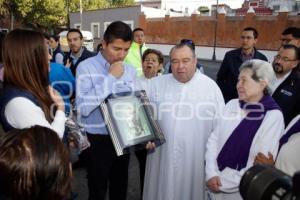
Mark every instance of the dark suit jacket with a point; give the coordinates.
(287, 96)
(228, 73)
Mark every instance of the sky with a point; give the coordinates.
(197, 3)
(231, 3)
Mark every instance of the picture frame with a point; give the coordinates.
(130, 121)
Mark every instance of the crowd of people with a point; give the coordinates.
(214, 130)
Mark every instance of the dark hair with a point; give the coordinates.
(55, 37)
(291, 46)
(137, 29)
(181, 45)
(156, 52)
(75, 30)
(2, 36)
(27, 67)
(34, 165)
(188, 42)
(46, 36)
(294, 31)
(255, 33)
(118, 30)
(99, 47)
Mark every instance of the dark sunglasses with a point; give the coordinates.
(187, 41)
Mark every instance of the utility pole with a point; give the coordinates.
(68, 13)
(216, 27)
(80, 2)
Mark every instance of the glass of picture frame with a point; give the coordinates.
(130, 121)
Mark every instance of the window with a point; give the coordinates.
(253, 4)
(130, 23)
(78, 26)
(95, 29)
(276, 7)
(186, 10)
(106, 25)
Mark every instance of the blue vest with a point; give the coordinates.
(10, 92)
(56, 51)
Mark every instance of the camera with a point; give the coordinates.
(263, 182)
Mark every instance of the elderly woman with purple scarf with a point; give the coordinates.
(251, 124)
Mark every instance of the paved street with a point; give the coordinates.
(80, 184)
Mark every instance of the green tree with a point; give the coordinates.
(87, 5)
(203, 9)
(121, 2)
(7, 7)
(98, 4)
(42, 13)
(49, 14)
(3, 8)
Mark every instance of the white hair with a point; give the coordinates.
(262, 70)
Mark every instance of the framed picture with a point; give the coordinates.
(130, 121)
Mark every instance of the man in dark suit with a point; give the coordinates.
(227, 75)
(286, 87)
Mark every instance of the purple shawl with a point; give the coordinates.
(294, 129)
(235, 151)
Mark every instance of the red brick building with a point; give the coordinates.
(259, 6)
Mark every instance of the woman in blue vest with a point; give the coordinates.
(250, 124)
(57, 53)
(27, 98)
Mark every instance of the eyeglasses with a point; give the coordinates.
(284, 59)
(246, 37)
(285, 40)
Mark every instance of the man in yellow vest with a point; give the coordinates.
(137, 48)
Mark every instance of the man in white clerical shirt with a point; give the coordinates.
(187, 105)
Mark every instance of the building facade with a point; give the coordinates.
(229, 11)
(259, 6)
(292, 6)
(149, 3)
(270, 7)
(97, 21)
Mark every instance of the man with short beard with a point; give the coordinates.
(286, 93)
(227, 76)
(77, 51)
(286, 87)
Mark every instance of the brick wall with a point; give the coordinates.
(201, 29)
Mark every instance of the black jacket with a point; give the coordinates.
(287, 96)
(85, 54)
(228, 73)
